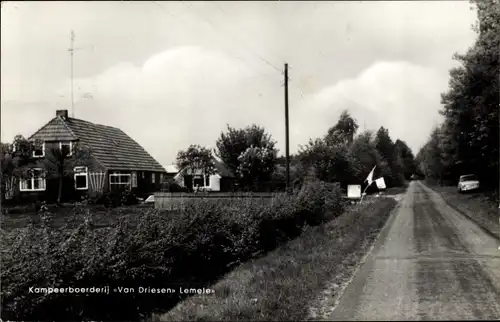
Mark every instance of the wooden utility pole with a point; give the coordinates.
(287, 141)
(71, 50)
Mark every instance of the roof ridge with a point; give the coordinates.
(142, 148)
(97, 124)
(41, 128)
(67, 126)
(51, 120)
(124, 151)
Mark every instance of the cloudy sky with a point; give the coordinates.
(171, 74)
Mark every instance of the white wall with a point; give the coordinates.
(215, 182)
(180, 180)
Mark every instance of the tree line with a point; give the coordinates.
(467, 141)
(341, 155)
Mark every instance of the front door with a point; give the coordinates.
(188, 182)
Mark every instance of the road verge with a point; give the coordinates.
(283, 284)
(477, 207)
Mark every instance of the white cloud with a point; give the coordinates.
(397, 95)
(178, 97)
(386, 62)
(187, 95)
(180, 70)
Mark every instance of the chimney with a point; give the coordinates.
(62, 113)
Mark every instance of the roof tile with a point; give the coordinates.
(109, 145)
(113, 147)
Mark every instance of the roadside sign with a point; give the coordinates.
(354, 191)
(380, 183)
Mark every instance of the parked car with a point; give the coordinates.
(150, 199)
(467, 182)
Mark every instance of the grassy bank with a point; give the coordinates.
(478, 206)
(396, 190)
(284, 284)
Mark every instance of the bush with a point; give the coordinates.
(172, 186)
(17, 210)
(319, 200)
(114, 198)
(191, 249)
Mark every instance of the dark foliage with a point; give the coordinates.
(468, 140)
(190, 249)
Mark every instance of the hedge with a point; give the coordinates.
(191, 249)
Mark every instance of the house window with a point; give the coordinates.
(153, 177)
(201, 181)
(39, 150)
(134, 179)
(35, 183)
(81, 178)
(161, 178)
(66, 148)
(198, 181)
(119, 179)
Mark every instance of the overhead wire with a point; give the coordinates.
(262, 58)
(259, 56)
(234, 39)
(269, 64)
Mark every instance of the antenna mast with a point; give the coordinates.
(71, 50)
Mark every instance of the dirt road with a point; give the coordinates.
(429, 263)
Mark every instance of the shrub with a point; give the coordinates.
(122, 197)
(191, 248)
(171, 186)
(319, 201)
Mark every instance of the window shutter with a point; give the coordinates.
(134, 179)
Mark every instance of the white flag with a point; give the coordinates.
(370, 176)
(380, 182)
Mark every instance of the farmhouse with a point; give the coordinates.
(115, 160)
(222, 180)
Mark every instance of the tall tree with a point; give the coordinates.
(248, 152)
(343, 132)
(7, 180)
(407, 158)
(13, 159)
(365, 154)
(393, 173)
(256, 167)
(196, 158)
(384, 143)
(59, 163)
(328, 162)
(432, 164)
(471, 104)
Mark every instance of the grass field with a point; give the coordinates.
(286, 284)
(480, 207)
